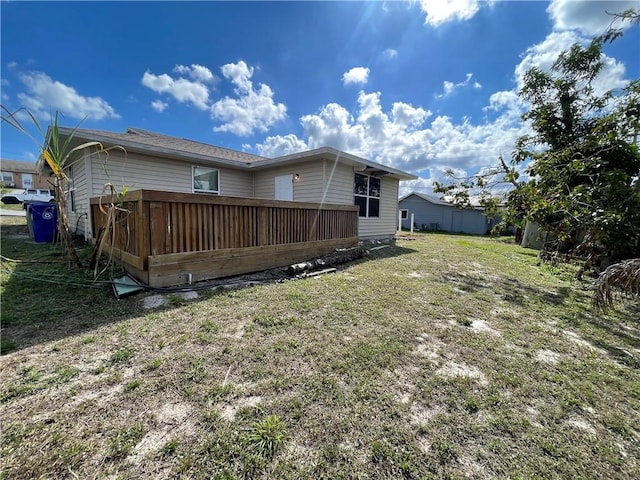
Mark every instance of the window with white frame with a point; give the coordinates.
(366, 192)
(206, 180)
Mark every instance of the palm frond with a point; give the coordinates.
(623, 277)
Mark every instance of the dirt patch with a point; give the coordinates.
(173, 420)
(581, 424)
(403, 383)
(575, 338)
(482, 326)
(229, 411)
(236, 332)
(420, 415)
(453, 369)
(547, 356)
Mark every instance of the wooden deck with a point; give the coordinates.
(162, 237)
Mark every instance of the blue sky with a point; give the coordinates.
(421, 86)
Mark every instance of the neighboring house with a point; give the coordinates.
(159, 162)
(21, 175)
(431, 213)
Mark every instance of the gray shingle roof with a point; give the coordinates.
(189, 150)
(136, 136)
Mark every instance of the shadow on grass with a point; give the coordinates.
(43, 300)
(622, 339)
(509, 289)
(618, 333)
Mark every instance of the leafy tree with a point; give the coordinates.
(582, 158)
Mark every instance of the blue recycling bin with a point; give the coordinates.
(44, 218)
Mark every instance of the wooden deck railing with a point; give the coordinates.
(156, 229)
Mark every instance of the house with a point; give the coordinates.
(21, 175)
(322, 195)
(431, 213)
(160, 162)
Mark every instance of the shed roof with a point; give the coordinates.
(428, 198)
(437, 201)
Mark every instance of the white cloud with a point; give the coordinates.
(253, 109)
(196, 72)
(159, 105)
(588, 17)
(4, 82)
(390, 53)
(356, 76)
(45, 96)
(442, 11)
(402, 138)
(545, 53)
(449, 87)
(280, 145)
(183, 90)
(422, 185)
(12, 65)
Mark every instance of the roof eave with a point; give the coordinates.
(324, 152)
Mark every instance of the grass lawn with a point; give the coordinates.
(442, 357)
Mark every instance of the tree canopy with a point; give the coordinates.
(582, 158)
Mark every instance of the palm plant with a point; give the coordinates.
(58, 154)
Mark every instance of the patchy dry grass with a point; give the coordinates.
(442, 357)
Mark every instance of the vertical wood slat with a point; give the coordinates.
(156, 226)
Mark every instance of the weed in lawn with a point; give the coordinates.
(197, 371)
(267, 436)
(465, 322)
(153, 364)
(169, 448)
(132, 385)
(121, 356)
(121, 444)
(175, 300)
(65, 374)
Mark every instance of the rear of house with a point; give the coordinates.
(155, 161)
(432, 214)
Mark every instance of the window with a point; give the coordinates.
(366, 191)
(27, 180)
(7, 179)
(206, 180)
(404, 214)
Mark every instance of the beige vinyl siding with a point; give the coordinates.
(340, 178)
(236, 183)
(79, 219)
(142, 171)
(308, 188)
(387, 223)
